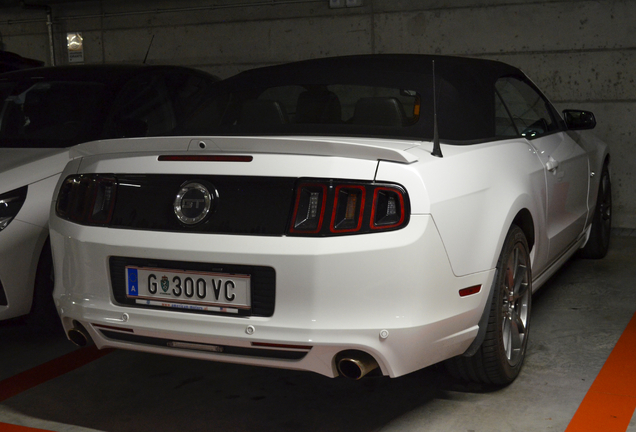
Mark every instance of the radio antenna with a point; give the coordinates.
(437, 150)
(148, 51)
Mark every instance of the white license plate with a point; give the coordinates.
(221, 292)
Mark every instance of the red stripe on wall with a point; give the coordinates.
(609, 404)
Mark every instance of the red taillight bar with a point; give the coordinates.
(358, 210)
(400, 218)
(344, 204)
(296, 226)
(87, 199)
(103, 203)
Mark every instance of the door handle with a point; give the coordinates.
(552, 164)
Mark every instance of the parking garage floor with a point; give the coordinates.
(583, 323)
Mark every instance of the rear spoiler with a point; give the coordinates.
(357, 148)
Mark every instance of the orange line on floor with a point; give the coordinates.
(33, 377)
(610, 402)
(5, 427)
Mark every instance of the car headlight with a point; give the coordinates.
(10, 204)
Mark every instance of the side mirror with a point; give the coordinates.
(579, 119)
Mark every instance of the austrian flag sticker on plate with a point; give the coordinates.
(133, 282)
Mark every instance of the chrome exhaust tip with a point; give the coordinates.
(79, 336)
(355, 364)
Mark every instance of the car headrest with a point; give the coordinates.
(318, 107)
(262, 112)
(379, 111)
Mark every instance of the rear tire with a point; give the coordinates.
(598, 243)
(499, 358)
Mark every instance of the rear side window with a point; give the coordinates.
(143, 108)
(159, 104)
(189, 93)
(521, 110)
(51, 114)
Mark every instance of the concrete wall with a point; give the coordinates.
(582, 53)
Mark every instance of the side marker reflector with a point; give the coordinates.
(469, 291)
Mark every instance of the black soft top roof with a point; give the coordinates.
(402, 67)
(464, 90)
(111, 75)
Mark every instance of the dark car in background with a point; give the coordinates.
(11, 61)
(44, 113)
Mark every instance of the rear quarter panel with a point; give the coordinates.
(473, 194)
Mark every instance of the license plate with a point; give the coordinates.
(220, 292)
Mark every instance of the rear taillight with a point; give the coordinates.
(348, 208)
(388, 208)
(87, 199)
(309, 210)
(334, 207)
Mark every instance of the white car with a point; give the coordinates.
(343, 216)
(43, 113)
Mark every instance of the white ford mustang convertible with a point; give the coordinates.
(345, 215)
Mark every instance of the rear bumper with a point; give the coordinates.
(332, 294)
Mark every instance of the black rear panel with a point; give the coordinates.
(262, 282)
(225, 349)
(245, 205)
